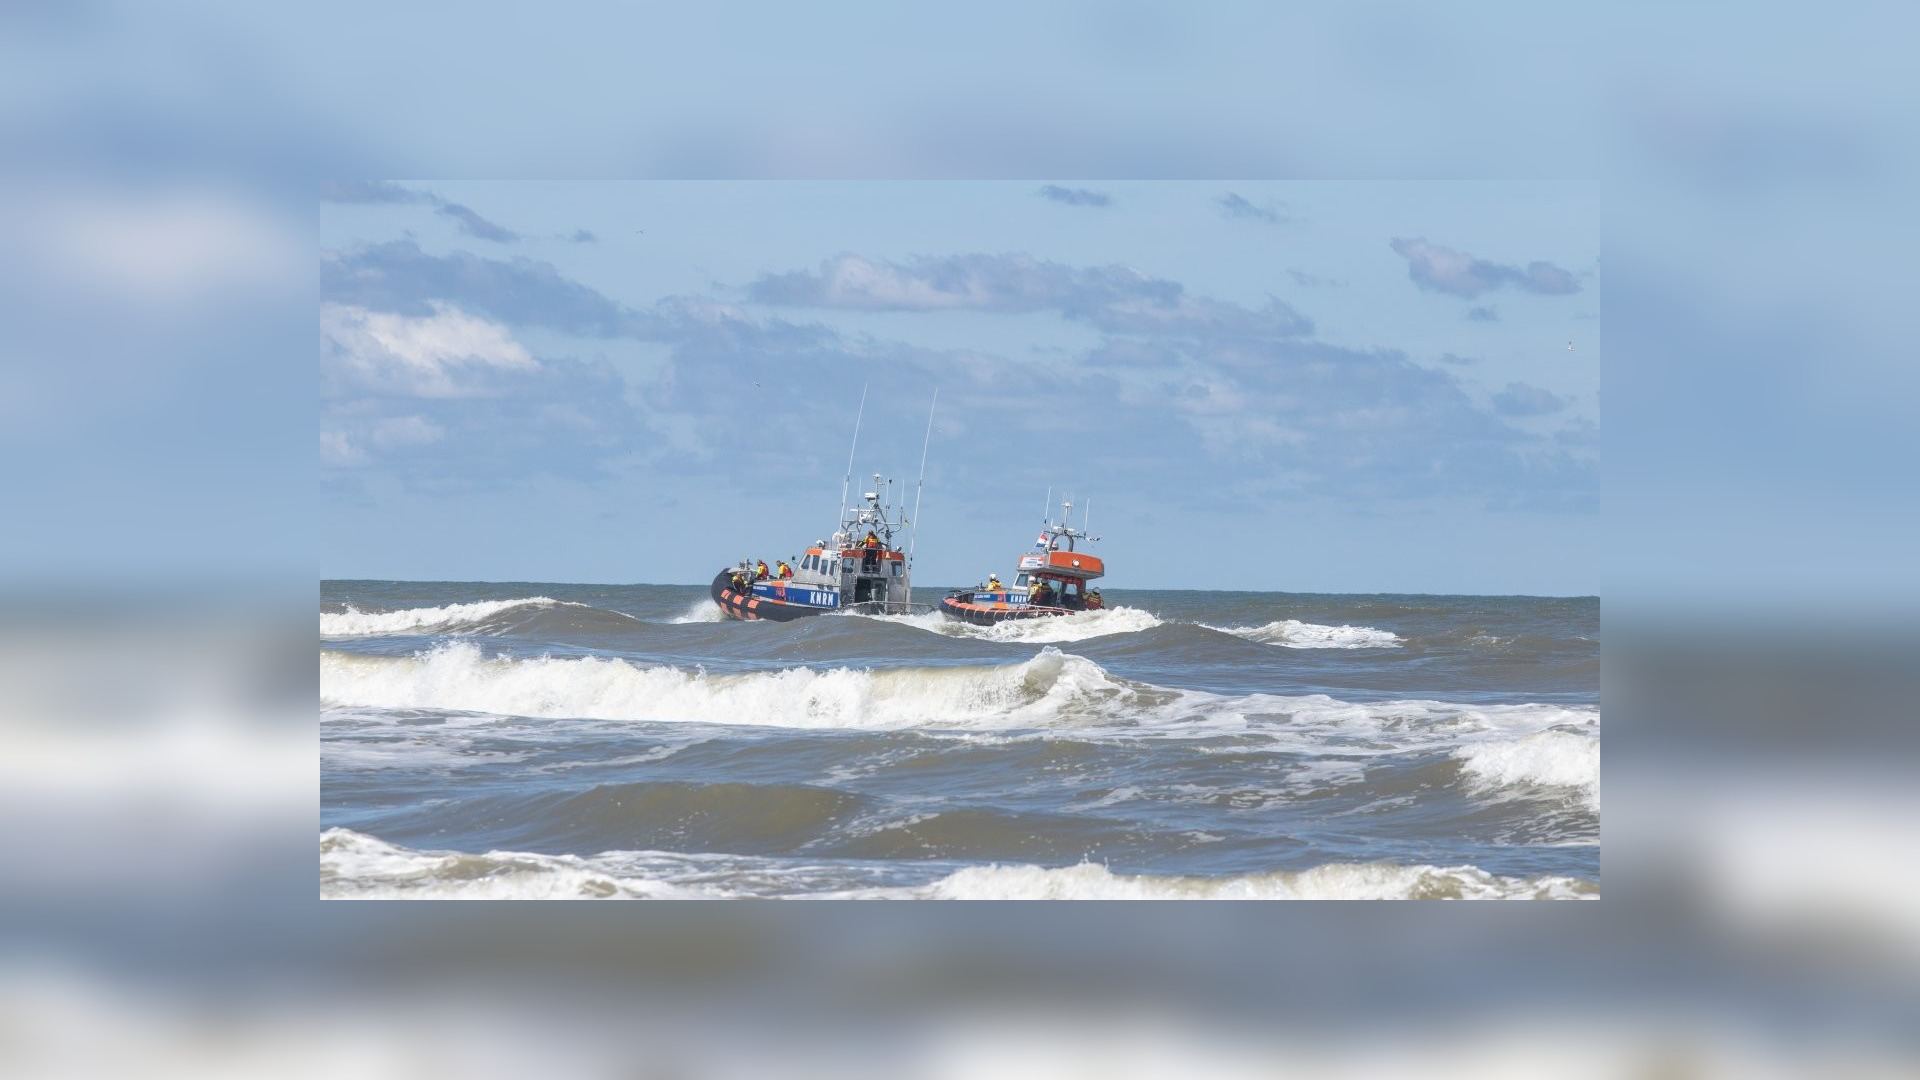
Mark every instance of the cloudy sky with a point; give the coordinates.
(1308, 387)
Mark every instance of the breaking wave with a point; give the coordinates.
(1294, 634)
(1335, 881)
(1552, 758)
(1054, 630)
(703, 610)
(356, 623)
(457, 676)
(1498, 745)
(354, 865)
(1075, 627)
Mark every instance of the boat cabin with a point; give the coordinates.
(860, 564)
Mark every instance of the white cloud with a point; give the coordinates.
(423, 356)
(850, 281)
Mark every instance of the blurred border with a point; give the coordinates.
(157, 601)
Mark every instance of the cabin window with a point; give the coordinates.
(1020, 582)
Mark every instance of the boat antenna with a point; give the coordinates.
(1046, 508)
(1086, 517)
(919, 488)
(848, 482)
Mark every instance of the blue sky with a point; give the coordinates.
(1354, 386)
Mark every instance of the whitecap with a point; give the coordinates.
(703, 610)
(1551, 758)
(1045, 630)
(1294, 634)
(1336, 881)
(356, 623)
(458, 676)
(354, 865)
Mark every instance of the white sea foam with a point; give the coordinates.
(357, 866)
(1550, 758)
(1052, 690)
(703, 610)
(1078, 626)
(1052, 629)
(354, 865)
(1294, 634)
(356, 623)
(458, 676)
(931, 621)
(1336, 881)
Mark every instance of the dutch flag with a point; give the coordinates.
(1042, 542)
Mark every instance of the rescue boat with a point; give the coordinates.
(1053, 579)
(862, 570)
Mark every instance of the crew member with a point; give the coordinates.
(760, 571)
(785, 570)
(1094, 601)
(872, 541)
(738, 581)
(993, 582)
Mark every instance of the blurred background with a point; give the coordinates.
(157, 684)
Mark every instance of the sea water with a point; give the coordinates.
(518, 740)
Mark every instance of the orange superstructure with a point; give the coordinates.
(1053, 579)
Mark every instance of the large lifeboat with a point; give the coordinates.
(1053, 579)
(861, 570)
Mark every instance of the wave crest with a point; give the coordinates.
(356, 623)
(1550, 758)
(354, 865)
(1075, 627)
(458, 676)
(1294, 634)
(703, 610)
(1334, 881)
(1054, 629)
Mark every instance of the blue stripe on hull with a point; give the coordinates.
(753, 607)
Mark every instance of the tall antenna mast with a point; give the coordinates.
(846, 483)
(1046, 508)
(919, 488)
(1086, 517)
